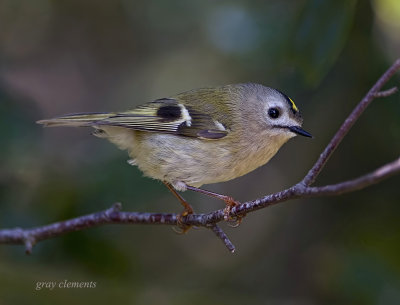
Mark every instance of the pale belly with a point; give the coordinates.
(196, 162)
(192, 161)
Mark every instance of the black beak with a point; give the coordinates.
(300, 131)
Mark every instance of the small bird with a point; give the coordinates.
(201, 136)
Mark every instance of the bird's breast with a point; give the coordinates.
(197, 162)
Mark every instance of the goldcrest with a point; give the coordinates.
(201, 136)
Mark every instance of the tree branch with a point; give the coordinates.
(29, 237)
(351, 119)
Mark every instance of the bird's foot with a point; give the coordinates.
(234, 221)
(182, 228)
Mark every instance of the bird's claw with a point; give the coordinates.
(234, 221)
(182, 228)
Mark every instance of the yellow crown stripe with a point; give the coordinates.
(293, 105)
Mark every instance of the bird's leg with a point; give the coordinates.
(187, 208)
(229, 201)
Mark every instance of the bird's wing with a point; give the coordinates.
(167, 116)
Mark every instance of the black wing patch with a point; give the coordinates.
(169, 113)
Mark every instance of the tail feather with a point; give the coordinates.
(76, 119)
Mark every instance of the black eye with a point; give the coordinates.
(273, 113)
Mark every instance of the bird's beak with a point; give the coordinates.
(300, 131)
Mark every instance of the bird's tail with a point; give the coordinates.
(76, 119)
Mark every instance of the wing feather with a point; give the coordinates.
(167, 116)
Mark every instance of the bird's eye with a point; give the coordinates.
(273, 113)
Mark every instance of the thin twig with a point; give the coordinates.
(221, 234)
(113, 215)
(349, 122)
(387, 92)
(359, 183)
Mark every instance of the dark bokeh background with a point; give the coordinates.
(71, 56)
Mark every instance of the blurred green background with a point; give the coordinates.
(68, 56)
